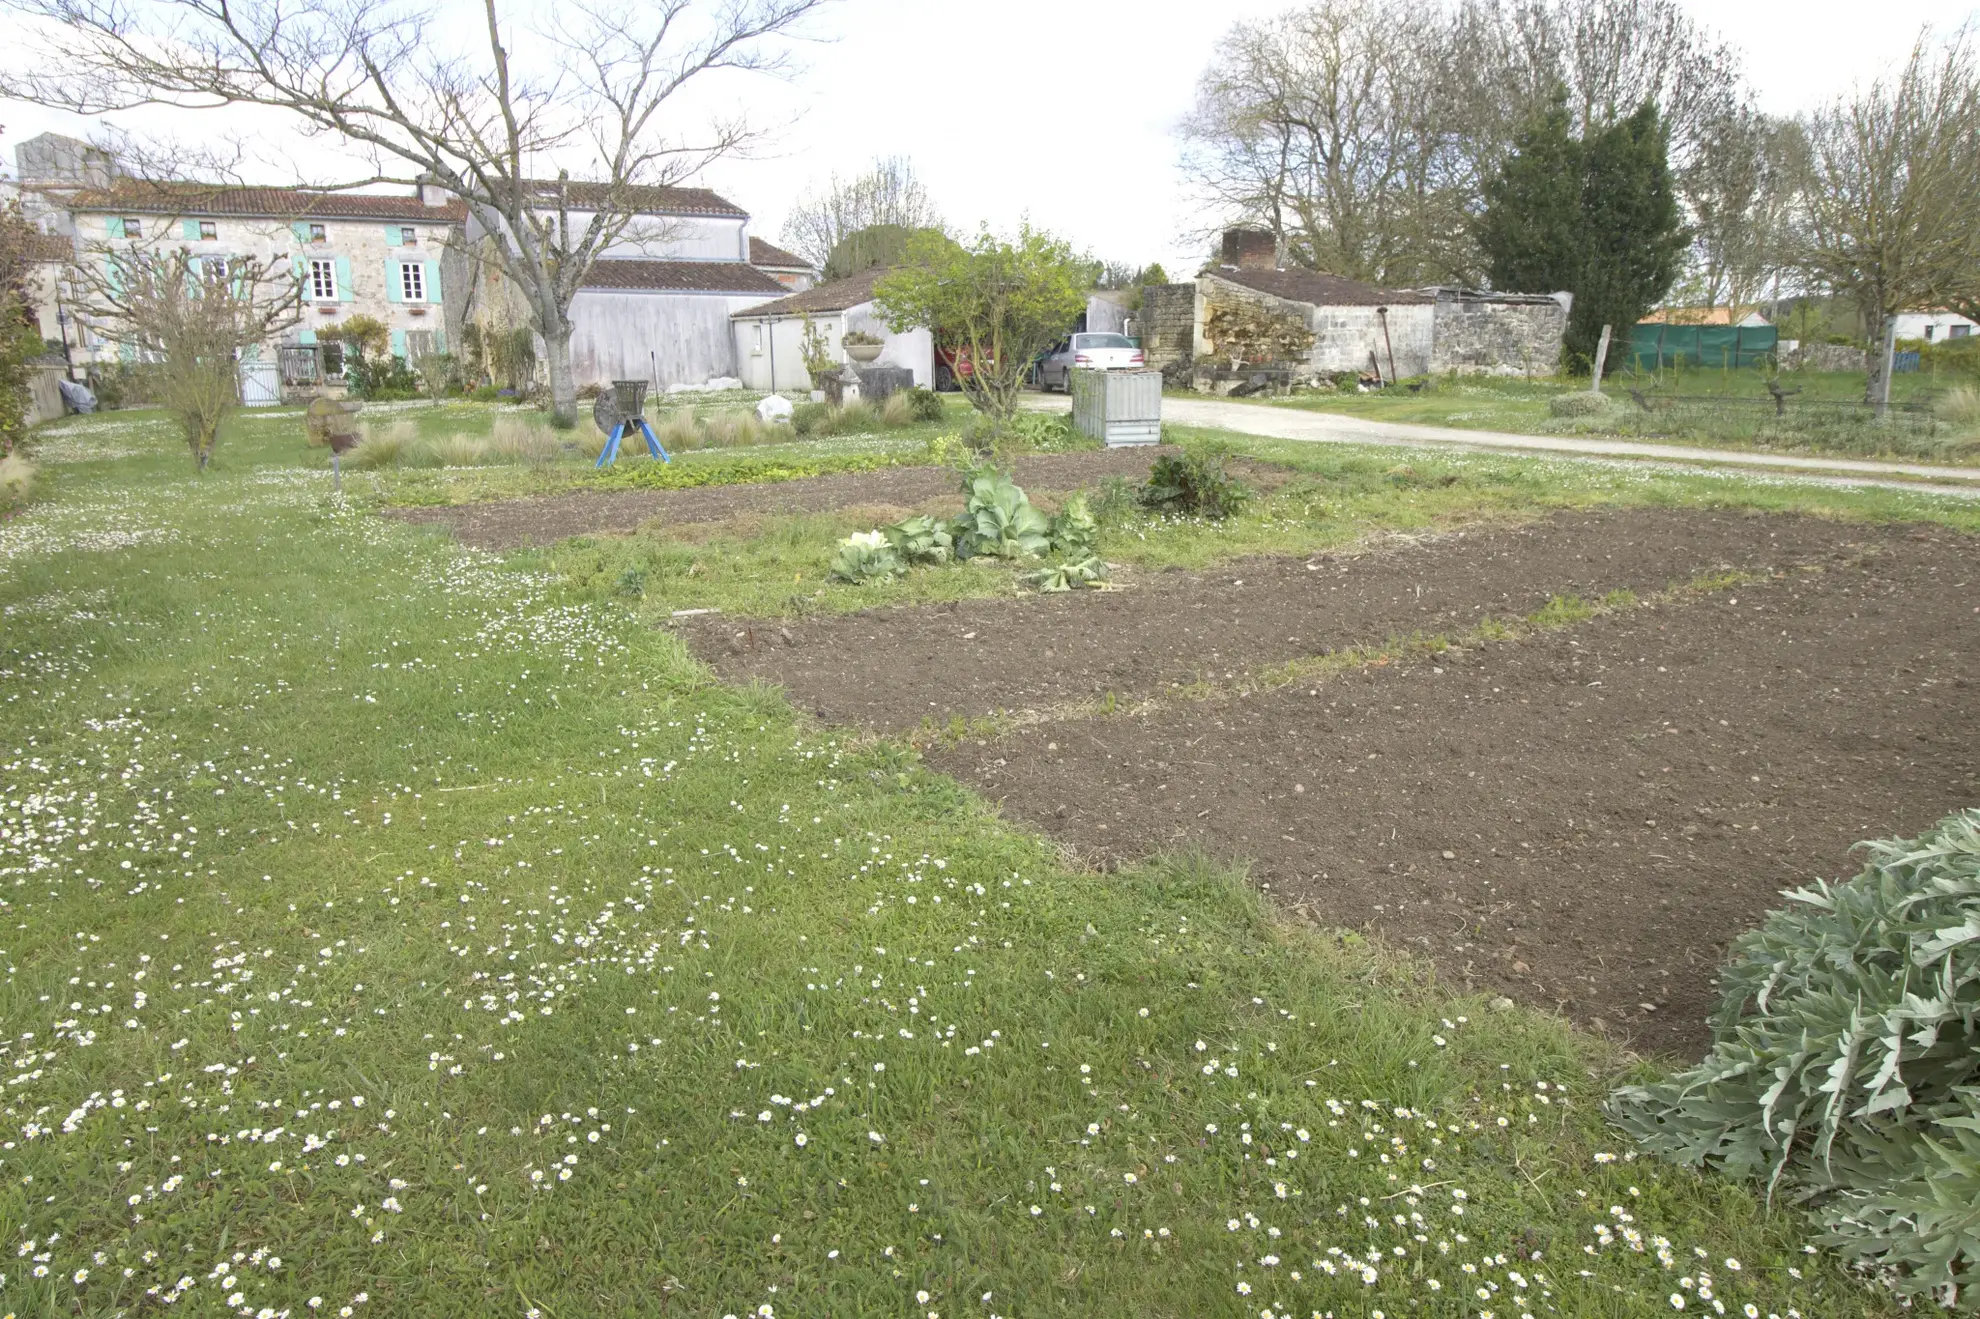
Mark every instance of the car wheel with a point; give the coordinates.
(945, 379)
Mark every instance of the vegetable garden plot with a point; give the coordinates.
(1582, 820)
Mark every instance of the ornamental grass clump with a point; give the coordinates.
(1845, 1068)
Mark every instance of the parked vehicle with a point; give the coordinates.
(1101, 352)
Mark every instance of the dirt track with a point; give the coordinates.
(1580, 820)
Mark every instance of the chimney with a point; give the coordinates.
(1251, 249)
(430, 191)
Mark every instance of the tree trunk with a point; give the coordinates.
(563, 386)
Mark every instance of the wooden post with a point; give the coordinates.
(1601, 360)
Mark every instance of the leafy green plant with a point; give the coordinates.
(927, 404)
(1845, 1064)
(1074, 529)
(998, 520)
(865, 556)
(1193, 483)
(1072, 573)
(920, 540)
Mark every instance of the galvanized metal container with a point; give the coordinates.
(1118, 408)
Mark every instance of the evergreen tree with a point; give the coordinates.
(1596, 216)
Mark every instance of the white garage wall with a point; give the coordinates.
(668, 338)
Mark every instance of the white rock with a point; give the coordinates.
(774, 408)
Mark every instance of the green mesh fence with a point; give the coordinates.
(1655, 346)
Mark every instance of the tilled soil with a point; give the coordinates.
(893, 669)
(1581, 820)
(545, 519)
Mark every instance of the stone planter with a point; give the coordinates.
(864, 353)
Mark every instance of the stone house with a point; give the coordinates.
(769, 339)
(1356, 327)
(393, 258)
(657, 303)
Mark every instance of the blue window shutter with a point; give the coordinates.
(300, 229)
(126, 351)
(398, 343)
(345, 293)
(189, 230)
(391, 280)
(114, 226)
(113, 275)
(392, 233)
(433, 282)
(306, 337)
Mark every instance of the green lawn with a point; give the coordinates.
(393, 930)
(1725, 409)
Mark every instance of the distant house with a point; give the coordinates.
(391, 257)
(656, 304)
(1356, 327)
(1934, 326)
(1747, 318)
(769, 339)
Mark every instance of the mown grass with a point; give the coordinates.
(1724, 409)
(394, 932)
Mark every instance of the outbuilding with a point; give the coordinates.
(769, 339)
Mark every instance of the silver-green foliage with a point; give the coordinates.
(1845, 1067)
(998, 520)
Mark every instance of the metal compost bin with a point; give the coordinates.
(1118, 408)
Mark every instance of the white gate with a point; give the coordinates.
(261, 384)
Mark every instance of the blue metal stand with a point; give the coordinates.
(610, 454)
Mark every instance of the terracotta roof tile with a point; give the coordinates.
(1317, 289)
(643, 200)
(773, 257)
(835, 296)
(680, 277)
(262, 203)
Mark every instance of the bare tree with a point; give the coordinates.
(1892, 207)
(1743, 191)
(187, 320)
(596, 83)
(888, 194)
(1362, 135)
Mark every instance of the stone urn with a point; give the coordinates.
(864, 353)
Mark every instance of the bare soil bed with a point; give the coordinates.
(894, 669)
(545, 519)
(1581, 820)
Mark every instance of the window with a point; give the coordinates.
(133, 227)
(412, 281)
(1958, 331)
(1928, 332)
(419, 343)
(322, 280)
(1101, 341)
(409, 237)
(208, 230)
(316, 234)
(333, 357)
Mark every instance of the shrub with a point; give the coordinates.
(806, 416)
(1193, 483)
(927, 404)
(1579, 403)
(486, 394)
(16, 482)
(1845, 1056)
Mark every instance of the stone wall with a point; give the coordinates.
(1344, 337)
(1500, 336)
(1168, 324)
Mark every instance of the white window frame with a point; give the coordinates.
(412, 281)
(322, 275)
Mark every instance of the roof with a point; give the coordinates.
(50, 247)
(838, 295)
(1700, 316)
(642, 200)
(143, 198)
(772, 257)
(1317, 289)
(680, 277)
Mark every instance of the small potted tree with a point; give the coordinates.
(862, 347)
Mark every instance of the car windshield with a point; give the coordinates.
(1103, 341)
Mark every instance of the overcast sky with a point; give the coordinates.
(1065, 109)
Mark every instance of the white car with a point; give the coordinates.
(1100, 352)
